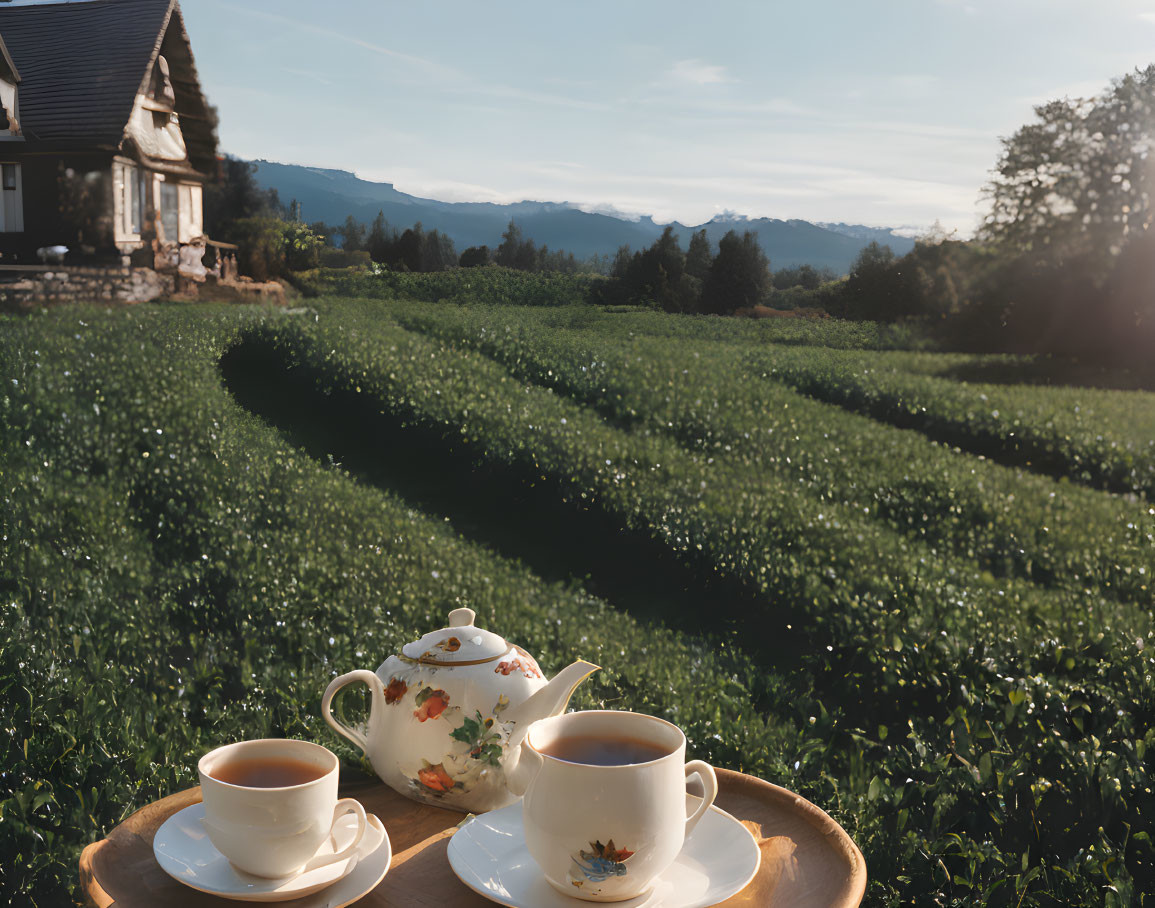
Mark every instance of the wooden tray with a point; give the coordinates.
(808, 861)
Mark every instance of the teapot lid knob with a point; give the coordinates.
(461, 617)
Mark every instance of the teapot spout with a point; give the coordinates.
(551, 700)
(521, 763)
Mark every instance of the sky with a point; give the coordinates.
(884, 113)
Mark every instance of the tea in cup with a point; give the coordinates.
(605, 809)
(271, 803)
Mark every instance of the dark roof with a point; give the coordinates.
(81, 65)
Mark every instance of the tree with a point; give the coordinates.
(739, 276)
(411, 248)
(515, 251)
(474, 257)
(698, 256)
(805, 276)
(323, 230)
(621, 264)
(352, 234)
(235, 195)
(874, 283)
(379, 243)
(657, 275)
(437, 252)
(1077, 181)
(556, 260)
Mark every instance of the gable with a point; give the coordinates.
(197, 118)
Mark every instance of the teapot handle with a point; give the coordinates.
(377, 694)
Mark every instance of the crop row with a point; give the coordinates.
(1101, 438)
(1105, 439)
(958, 715)
(1011, 522)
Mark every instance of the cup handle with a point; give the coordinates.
(345, 805)
(705, 773)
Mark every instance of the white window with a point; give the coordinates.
(11, 199)
(191, 218)
(129, 193)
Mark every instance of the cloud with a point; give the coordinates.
(1148, 17)
(698, 72)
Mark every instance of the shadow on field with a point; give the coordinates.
(512, 511)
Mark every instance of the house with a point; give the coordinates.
(106, 140)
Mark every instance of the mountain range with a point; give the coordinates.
(332, 195)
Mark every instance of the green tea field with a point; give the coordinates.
(915, 588)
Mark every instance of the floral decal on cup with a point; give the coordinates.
(431, 704)
(396, 690)
(599, 863)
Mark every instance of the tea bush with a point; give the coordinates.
(1103, 438)
(969, 696)
(1011, 522)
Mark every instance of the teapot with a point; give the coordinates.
(449, 709)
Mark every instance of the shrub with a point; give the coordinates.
(271, 248)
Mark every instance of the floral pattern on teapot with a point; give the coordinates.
(470, 747)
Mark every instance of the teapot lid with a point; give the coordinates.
(458, 644)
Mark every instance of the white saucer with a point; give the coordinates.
(185, 853)
(488, 854)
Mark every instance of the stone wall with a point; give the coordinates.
(24, 288)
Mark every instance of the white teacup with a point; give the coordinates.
(275, 832)
(604, 833)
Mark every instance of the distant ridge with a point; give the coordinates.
(332, 195)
